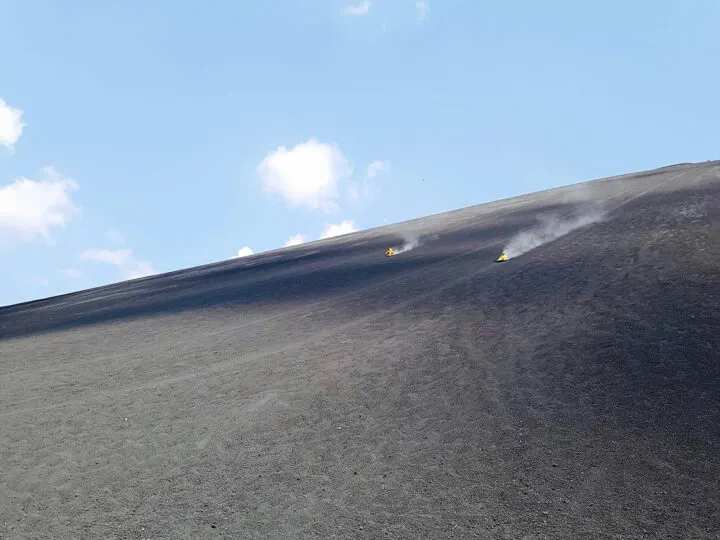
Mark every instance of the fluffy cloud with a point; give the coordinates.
(294, 240)
(360, 9)
(129, 266)
(422, 10)
(345, 227)
(243, 252)
(366, 188)
(138, 269)
(11, 124)
(376, 167)
(30, 207)
(118, 257)
(307, 175)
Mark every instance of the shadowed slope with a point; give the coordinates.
(326, 391)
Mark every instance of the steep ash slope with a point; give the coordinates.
(328, 391)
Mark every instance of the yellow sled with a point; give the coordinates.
(390, 252)
(502, 258)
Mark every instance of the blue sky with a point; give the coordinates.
(140, 137)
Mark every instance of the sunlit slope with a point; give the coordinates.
(330, 391)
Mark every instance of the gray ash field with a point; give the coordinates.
(328, 391)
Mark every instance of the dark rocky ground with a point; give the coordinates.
(325, 391)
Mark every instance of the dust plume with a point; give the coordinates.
(550, 228)
(411, 242)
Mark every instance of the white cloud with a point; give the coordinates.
(360, 9)
(376, 167)
(295, 240)
(243, 252)
(345, 227)
(118, 257)
(366, 187)
(72, 273)
(29, 207)
(11, 124)
(130, 266)
(422, 10)
(307, 175)
(138, 269)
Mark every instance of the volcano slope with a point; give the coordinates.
(326, 391)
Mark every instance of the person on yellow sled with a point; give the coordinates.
(390, 252)
(502, 258)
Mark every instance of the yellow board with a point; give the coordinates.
(502, 258)
(390, 252)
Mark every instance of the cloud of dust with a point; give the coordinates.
(411, 242)
(550, 228)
